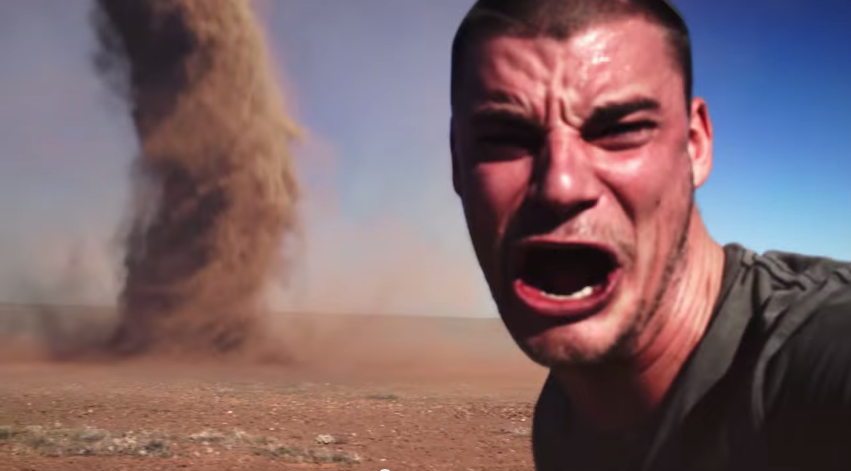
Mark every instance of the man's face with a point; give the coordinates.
(573, 160)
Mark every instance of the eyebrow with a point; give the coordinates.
(505, 112)
(501, 114)
(615, 111)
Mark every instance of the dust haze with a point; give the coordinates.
(214, 188)
(329, 265)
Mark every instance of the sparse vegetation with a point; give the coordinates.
(383, 397)
(86, 442)
(6, 432)
(56, 442)
(228, 441)
(517, 431)
(309, 455)
(326, 439)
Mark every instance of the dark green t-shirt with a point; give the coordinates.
(767, 388)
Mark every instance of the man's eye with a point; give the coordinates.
(621, 136)
(506, 146)
(511, 139)
(622, 129)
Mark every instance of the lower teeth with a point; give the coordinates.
(583, 293)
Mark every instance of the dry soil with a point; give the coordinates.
(446, 409)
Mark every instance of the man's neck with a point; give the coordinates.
(620, 396)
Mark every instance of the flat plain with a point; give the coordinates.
(366, 393)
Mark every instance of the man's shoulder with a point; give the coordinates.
(797, 268)
(814, 363)
(779, 284)
(800, 320)
(784, 269)
(807, 387)
(805, 313)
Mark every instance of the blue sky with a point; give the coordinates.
(368, 80)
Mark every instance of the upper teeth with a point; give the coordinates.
(583, 293)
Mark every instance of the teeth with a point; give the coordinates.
(583, 293)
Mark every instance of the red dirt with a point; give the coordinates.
(460, 411)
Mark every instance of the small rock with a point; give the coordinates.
(325, 440)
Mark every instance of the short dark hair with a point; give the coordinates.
(560, 19)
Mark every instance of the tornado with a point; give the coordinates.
(213, 185)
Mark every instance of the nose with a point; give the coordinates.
(565, 181)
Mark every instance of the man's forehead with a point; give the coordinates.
(620, 57)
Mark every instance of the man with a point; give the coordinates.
(577, 148)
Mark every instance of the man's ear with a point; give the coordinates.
(456, 166)
(700, 141)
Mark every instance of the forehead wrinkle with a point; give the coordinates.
(512, 75)
(565, 79)
(590, 55)
(603, 61)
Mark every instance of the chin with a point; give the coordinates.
(588, 342)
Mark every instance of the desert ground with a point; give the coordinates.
(366, 393)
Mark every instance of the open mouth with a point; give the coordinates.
(563, 276)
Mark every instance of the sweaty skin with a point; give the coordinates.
(588, 140)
